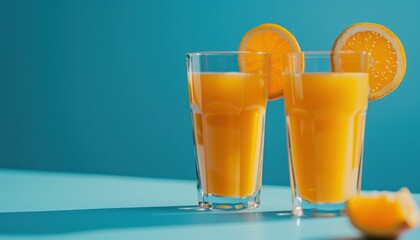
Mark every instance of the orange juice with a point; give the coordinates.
(228, 116)
(325, 114)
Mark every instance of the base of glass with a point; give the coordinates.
(214, 202)
(309, 209)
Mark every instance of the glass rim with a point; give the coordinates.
(225, 53)
(326, 53)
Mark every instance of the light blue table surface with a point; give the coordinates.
(49, 205)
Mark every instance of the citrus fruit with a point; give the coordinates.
(383, 214)
(388, 63)
(275, 40)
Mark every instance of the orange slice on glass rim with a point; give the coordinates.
(388, 61)
(275, 40)
(383, 214)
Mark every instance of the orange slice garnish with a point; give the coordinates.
(383, 214)
(275, 40)
(388, 63)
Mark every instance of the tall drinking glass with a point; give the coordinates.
(228, 99)
(326, 98)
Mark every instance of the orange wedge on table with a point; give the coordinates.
(383, 214)
(275, 40)
(388, 63)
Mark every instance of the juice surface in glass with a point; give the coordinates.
(228, 117)
(325, 114)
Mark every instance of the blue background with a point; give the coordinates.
(100, 86)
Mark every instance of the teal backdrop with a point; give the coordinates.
(100, 86)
